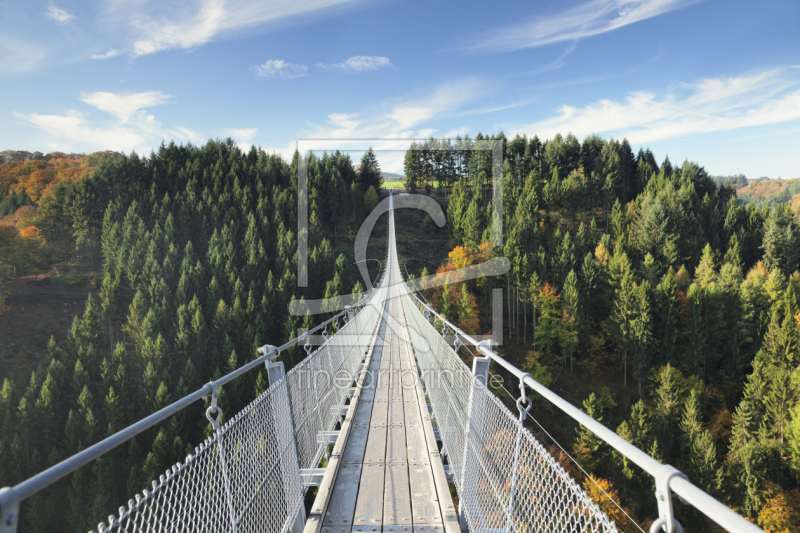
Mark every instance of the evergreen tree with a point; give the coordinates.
(369, 173)
(571, 319)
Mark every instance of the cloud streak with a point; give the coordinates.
(360, 63)
(394, 124)
(133, 128)
(585, 20)
(107, 55)
(59, 15)
(709, 105)
(278, 68)
(18, 56)
(243, 136)
(159, 25)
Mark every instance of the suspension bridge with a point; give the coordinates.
(383, 419)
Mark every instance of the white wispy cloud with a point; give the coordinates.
(18, 56)
(360, 63)
(587, 19)
(709, 105)
(445, 98)
(126, 107)
(107, 55)
(59, 15)
(177, 24)
(278, 68)
(393, 124)
(243, 136)
(133, 128)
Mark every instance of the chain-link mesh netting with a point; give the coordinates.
(247, 476)
(505, 478)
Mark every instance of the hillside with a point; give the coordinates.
(134, 283)
(772, 193)
(645, 294)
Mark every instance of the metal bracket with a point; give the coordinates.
(523, 398)
(487, 344)
(457, 342)
(448, 472)
(267, 348)
(214, 408)
(9, 510)
(666, 518)
(312, 477)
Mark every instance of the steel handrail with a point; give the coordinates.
(697, 497)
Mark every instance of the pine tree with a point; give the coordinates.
(369, 174)
(587, 445)
(690, 422)
(642, 333)
(621, 321)
(668, 397)
(705, 273)
(571, 317)
(548, 330)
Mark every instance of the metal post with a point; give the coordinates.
(472, 432)
(284, 429)
(9, 510)
(523, 413)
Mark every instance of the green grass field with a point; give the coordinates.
(391, 184)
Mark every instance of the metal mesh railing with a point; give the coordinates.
(243, 478)
(247, 477)
(505, 478)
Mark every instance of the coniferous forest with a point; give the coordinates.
(197, 249)
(644, 292)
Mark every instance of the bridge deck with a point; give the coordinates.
(389, 474)
(386, 473)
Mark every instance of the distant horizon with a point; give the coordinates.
(398, 173)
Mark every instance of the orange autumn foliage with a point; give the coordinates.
(450, 295)
(37, 178)
(603, 493)
(780, 512)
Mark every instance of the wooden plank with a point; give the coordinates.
(343, 498)
(424, 503)
(363, 412)
(396, 444)
(356, 444)
(376, 445)
(411, 410)
(367, 394)
(382, 394)
(335, 529)
(396, 414)
(369, 505)
(380, 411)
(416, 448)
(397, 499)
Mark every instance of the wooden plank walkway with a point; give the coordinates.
(386, 473)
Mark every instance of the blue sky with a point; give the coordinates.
(714, 81)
